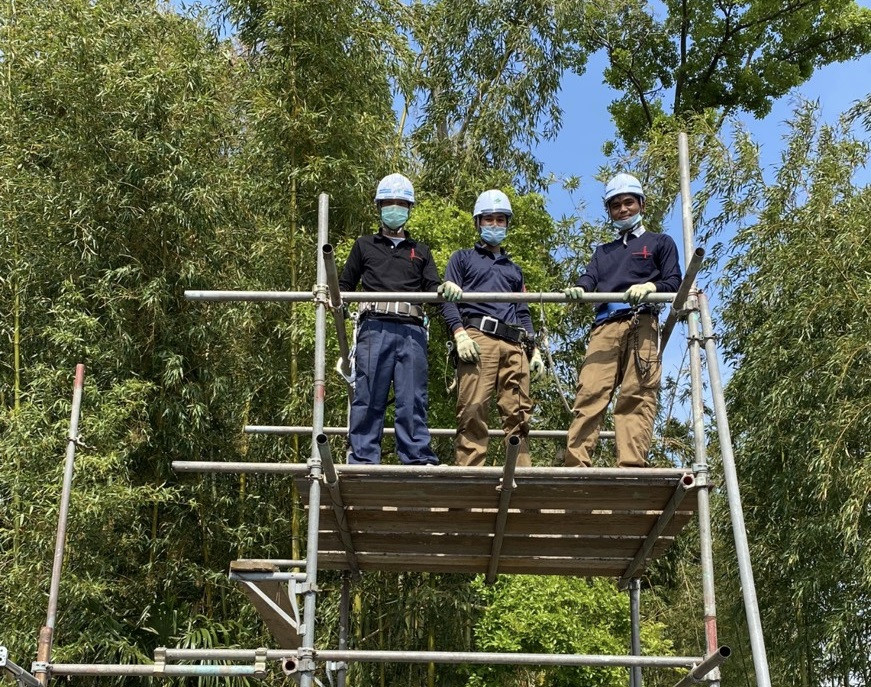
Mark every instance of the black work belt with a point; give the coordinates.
(490, 325)
(393, 309)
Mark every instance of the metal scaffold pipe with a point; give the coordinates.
(698, 416)
(288, 430)
(152, 670)
(686, 483)
(337, 503)
(315, 464)
(420, 297)
(638, 476)
(447, 657)
(635, 629)
(434, 431)
(700, 672)
(733, 492)
(506, 486)
(46, 634)
(680, 299)
(443, 657)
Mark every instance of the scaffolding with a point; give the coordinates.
(587, 522)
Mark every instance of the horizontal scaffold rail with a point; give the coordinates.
(359, 656)
(421, 297)
(640, 476)
(291, 430)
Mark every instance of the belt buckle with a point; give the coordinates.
(403, 309)
(485, 323)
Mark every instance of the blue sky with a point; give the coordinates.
(587, 126)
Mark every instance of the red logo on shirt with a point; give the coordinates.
(644, 253)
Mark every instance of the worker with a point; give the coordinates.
(494, 341)
(391, 337)
(623, 350)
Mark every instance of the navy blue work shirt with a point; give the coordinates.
(642, 257)
(478, 269)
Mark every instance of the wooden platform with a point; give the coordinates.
(559, 521)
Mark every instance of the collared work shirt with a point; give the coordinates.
(374, 260)
(478, 269)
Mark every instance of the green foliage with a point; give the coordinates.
(483, 91)
(556, 615)
(799, 400)
(722, 56)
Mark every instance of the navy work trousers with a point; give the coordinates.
(390, 351)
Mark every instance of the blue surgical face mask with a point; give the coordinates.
(493, 235)
(394, 216)
(624, 225)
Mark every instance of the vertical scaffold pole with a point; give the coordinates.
(307, 664)
(635, 618)
(700, 467)
(730, 474)
(46, 634)
(344, 622)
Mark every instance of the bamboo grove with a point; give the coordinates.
(149, 147)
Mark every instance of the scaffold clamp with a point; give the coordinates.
(306, 662)
(260, 662)
(700, 472)
(40, 667)
(160, 660)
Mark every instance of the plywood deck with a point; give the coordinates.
(560, 521)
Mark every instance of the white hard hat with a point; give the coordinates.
(492, 202)
(623, 183)
(395, 187)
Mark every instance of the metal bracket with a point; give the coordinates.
(260, 662)
(292, 586)
(160, 660)
(305, 587)
(4, 654)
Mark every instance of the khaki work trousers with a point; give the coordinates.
(504, 369)
(611, 362)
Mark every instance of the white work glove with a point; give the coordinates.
(451, 291)
(574, 293)
(638, 292)
(467, 349)
(536, 365)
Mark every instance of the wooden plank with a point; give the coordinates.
(285, 635)
(480, 545)
(440, 493)
(419, 520)
(477, 564)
